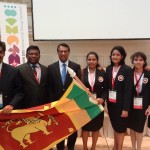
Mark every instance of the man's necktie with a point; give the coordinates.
(34, 70)
(63, 73)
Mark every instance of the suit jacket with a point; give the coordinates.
(11, 86)
(35, 93)
(123, 85)
(145, 92)
(56, 87)
(137, 117)
(100, 85)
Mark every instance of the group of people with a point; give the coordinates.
(126, 90)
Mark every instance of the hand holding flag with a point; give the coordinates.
(44, 126)
(91, 98)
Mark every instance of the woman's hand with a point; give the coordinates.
(100, 101)
(124, 114)
(147, 112)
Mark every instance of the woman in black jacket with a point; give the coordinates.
(119, 77)
(94, 79)
(141, 99)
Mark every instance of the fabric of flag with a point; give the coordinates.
(44, 126)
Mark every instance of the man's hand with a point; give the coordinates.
(7, 109)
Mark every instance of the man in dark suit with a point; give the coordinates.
(34, 78)
(10, 85)
(58, 86)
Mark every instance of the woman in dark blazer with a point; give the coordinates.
(140, 100)
(94, 79)
(119, 77)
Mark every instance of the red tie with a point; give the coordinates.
(34, 70)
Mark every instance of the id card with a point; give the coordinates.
(138, 103)
(1, 100)
(112, 96)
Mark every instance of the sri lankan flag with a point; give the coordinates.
(44, 126)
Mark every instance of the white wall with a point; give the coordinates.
(79, 49)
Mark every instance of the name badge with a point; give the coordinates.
(1, 100)
(112, 96)
(138, 103)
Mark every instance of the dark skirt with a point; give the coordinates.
(95, 124)
(137, 120)
(118, 123)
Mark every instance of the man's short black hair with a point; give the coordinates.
(32, 47)
(64, 45)
(3, 46)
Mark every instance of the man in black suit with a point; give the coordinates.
(10, 85)
(58, 86)
(34, 78)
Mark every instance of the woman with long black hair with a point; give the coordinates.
(119, 77)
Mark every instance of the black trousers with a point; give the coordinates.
(70, 143)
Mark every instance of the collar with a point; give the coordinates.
(61, 63)
(91, 73)
(37, 65)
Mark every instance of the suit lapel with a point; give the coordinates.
(117, 76)
(42, 74)
(30, 73)
(144, 82)
(67, 81)
(4, 75)
(96, 77)
(4, 71)
(110, 76)
(86, 76)
(87, 79)
(58, 74)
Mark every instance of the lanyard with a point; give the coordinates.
(137, 85)
(114, 76)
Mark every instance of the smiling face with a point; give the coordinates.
(63, 53)
(92, 61)
(138, 62)
(33, 56)
(116, 57)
